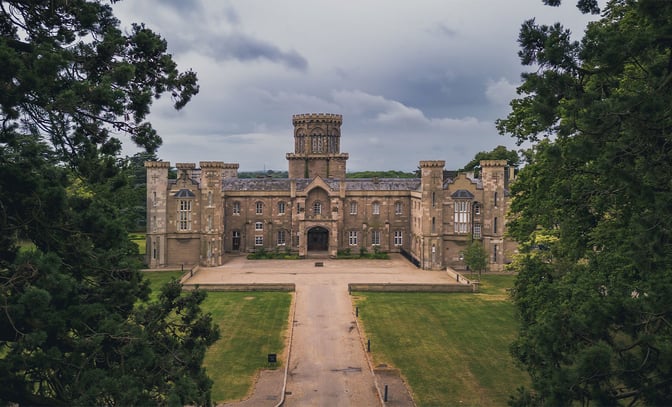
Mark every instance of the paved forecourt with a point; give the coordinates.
(328, 364)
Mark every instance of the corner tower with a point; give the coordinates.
(317, 146)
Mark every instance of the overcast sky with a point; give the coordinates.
(414, 80)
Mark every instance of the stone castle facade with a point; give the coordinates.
(208, 211)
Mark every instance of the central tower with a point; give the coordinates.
(317, 146)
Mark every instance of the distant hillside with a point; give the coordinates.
(263, 174)
(357, 174)
(381, 174)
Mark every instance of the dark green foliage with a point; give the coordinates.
(591, 210)
(70, 329)
(381, 174)
(263, 174)
(476, 257)
(498, 153)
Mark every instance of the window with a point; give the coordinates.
(433, 225)
(154, 227)
(236, 208)
(376, 208)
(397, 208)
(154, 249)
(353, 208)
(185, 215)
(281, 208)
(209, 198)
(461, 217)
(260, 208)
(258, 240)
(398, 238)
(494, 225)
(495, 199)
(154, 198)
(282, 237)
(209, 223)
(317, 208)
(375, 237)
(433, 199)
(477, 231)
(259, 226)
(494, 253)
(352, 238)
(477, 209)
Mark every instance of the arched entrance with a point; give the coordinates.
(318, 239)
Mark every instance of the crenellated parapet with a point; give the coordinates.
(493, 163)
(157, 164)
(317, 118)
(211, 165)
(432, 164)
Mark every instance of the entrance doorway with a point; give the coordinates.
(235, 244)
(318, 239)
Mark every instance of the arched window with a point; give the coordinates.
(317, 208)
(209, 198)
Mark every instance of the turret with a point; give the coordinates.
(157, 189)
(317, 145)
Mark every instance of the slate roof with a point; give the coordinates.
(462, 194)
(184, 193)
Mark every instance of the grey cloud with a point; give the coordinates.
(443, 29)
(184, 6)
(242, 47)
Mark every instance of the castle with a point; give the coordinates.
(208, 211)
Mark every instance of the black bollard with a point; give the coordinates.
(385, 395)
(356, 311)
(368, 345)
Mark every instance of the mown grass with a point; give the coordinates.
(139, 240)
(252, 325)
(453, 349)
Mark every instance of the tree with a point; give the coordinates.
(590, 210)
(73, 330)
(498, 153)
(475, 257)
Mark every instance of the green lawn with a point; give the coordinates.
(451, 348)
(252, 325)
(139, 240)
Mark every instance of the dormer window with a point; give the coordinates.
(317, 208)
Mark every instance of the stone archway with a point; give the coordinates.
(318, 239)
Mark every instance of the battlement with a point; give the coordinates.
(493, 163)
(432, 164)
(231, 166)
(157, 164)
(185, 166)
(317, 118)
(211, 164)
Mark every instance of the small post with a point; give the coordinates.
(385, 395)
(356, 311)
(182, 266)
(368, 345)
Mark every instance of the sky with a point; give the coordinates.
(414, 80)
